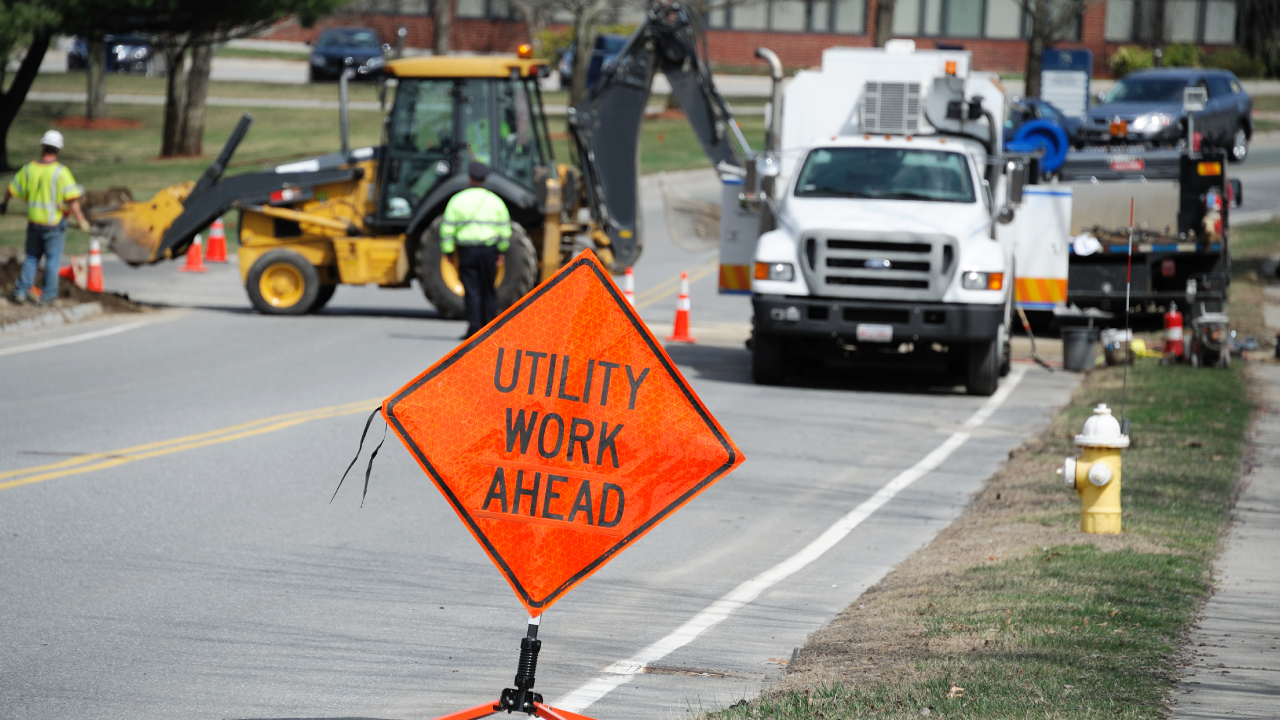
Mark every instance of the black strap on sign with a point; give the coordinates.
(368, 470)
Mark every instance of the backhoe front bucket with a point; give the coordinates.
(133, 231)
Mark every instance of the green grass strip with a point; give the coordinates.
(1084, 627)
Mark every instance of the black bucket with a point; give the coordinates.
(1079, 348)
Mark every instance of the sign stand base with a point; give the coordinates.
(520, 698)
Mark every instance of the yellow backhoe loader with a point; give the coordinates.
(371, 215)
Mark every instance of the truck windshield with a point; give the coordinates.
(886, 174)
(1148, 89)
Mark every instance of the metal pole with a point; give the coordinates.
(342, 108)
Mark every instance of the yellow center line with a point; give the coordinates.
(696, 276)
(102, 461)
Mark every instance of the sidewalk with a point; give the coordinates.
(1235, 670)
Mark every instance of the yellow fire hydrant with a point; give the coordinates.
(1095, 476)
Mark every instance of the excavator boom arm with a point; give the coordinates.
(606, 124)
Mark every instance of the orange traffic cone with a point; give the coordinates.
(68, 273)
(94, 283)
(217, 243)
(629, 287)
(681, 331)
(195, 258)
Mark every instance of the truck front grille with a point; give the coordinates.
(895, 266)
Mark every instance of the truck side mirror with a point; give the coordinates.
(768, 166)
(1017, 172)
(1237, 192)
(1005, 216)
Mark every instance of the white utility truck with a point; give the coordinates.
(894, 218)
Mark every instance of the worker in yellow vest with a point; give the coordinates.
(48, 189)
(474, 233)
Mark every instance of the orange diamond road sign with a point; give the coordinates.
(561, 433)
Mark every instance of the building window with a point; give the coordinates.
(1180, 20)
(486, 9)
(963, 18)
(850, 16)
(1185, 21)
(842, 16)
(1119, 27)
(906, 18)
(1004, 19)
(788, 15)
(1219, 22)
(998, 19)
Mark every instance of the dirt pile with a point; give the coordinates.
(69, 295)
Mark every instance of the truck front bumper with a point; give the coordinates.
(912, 322)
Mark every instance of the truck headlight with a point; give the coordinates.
(973, 280)
(317, 61)
(784, 272)
(1152, 122)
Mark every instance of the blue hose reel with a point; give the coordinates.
(1042, 136)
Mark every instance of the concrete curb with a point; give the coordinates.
(66, 316)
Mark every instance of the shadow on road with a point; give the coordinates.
(727, 364)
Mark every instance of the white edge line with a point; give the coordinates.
(69, 340)
(623, 670)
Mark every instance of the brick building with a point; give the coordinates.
(798, 30)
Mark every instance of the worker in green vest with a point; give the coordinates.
(48, 189)
(474, 233)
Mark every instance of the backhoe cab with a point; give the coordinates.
(372, 215)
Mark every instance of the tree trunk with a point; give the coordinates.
(95, 73)
(11, 101)
(884, 22)
(175, 97)
(584, 41)
(197, 90)
(1036, 46)
(442, 14)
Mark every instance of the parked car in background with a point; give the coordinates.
(1022, 110)
(607, 47)
(125, 54)
(341, 47)
(1147, 108)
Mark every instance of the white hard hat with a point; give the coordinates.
(53, 138)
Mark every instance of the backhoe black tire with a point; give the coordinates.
(519, 272)
(323, 297)
(768, 360)
(984, 367)
(282, 282)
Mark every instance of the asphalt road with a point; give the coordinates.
(1260, 177)
(206, 575)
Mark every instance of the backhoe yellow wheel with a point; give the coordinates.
(282, 282)
(443, 288)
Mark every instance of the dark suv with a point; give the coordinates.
(339, 48)
(1146, 107)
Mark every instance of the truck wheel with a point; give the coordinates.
(1239, 145)
(323, 297)
(443, 288)
(1006, 358)
(768, 363)
(984, 367)
(282, 282)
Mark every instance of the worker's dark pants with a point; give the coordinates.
(478, 269)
